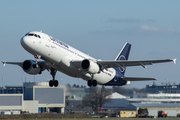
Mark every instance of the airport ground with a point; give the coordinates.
(174, 118)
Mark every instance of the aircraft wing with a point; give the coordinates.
(13, 63)
(122, 64)
(137, 79)
(42, 63)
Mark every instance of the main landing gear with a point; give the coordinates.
(92, 82)
(53, 82)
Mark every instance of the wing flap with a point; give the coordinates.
(137, 79)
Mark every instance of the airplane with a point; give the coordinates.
(59, 56)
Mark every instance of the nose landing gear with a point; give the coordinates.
(37, 57)
(53, 82)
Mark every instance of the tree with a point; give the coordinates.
(96, 98)
(68, 85)
(74, 86)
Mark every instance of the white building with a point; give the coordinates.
(51, 99)
(14, 103)
(155, 102)
(37, 97)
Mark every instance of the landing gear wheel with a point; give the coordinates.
(51, 83)
(56, 83)
(89, 83)
(94, 83)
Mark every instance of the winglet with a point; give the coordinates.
(174, 60)
(4, 63)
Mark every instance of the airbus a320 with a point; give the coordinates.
(59, 56)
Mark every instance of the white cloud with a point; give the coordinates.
(170, 29)
(155, 29)
(128, 20)
(145, 27)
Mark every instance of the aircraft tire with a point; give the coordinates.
(89, 83)
(51, 82)
(94, 83)
(56, 83)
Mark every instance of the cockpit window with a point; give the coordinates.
(35, 35)
(30, 34)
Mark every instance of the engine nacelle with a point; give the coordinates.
(29, 66)
(90, 66)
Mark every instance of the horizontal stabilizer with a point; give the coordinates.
(137, 79)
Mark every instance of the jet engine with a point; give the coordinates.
(30, 67)
(90, 66)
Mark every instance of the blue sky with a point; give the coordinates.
(98, 28)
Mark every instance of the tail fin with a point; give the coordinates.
(123, 55)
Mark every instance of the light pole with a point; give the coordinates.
(23, 86)
(2, 86)
(166, 87)
(60, 81)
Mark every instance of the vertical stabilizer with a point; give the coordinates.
(123, 55)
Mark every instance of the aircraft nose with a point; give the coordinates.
(25, 41)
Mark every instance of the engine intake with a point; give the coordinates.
(90, 66)
(29, 66)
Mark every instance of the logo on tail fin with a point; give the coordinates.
(123, 55)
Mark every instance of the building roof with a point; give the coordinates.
(156, 104)
(122, 104)
(117, 96)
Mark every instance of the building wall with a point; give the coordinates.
(163, 88)
(11, 102)
(172, 111)
(37, 96)
(127, 114)
(50, 98)
(28, 93)
(49, 95)
(31, 106)
(11, 90)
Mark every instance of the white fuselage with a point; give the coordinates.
(59, 56)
